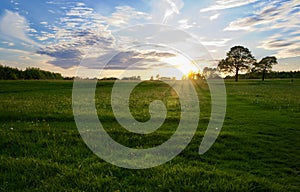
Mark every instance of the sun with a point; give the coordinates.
(180, 66)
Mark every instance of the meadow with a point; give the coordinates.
(258, 148)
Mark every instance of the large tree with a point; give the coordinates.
(238, 59)
(265, 65)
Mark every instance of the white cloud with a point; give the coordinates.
(185, 24)
(24, 58)
(214, 17)
(124, 14)
(13, 26)
(8, 43)
(221, 4)
(215, 42)
(80, 4)
(241, 24)
(51, 11)
(44, 36)
(44, 23)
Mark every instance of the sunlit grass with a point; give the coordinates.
(257, 150)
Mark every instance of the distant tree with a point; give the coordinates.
(271, 74)
(199, 76)
(103, 79)
(238, 59)
(194, 75)
(151, 78)
(265, 65)
(68, 78)
(157, 76)
(210, 73)
(132, 78)
(191, 75)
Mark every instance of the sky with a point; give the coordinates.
(102, 38)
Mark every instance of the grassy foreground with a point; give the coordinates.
(258, 148)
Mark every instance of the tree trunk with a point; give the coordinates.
(263, 74)
(236, 74)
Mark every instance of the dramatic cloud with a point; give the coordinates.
(275, 15)
(64, 33)
(68, 54)
(78, 31)
(64, 58)
(221, 4)
(82, 28)
(130, 60)
(282, 16)
(13, 26)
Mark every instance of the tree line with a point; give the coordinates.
(30, 73)
(269, 75)
(213, 73)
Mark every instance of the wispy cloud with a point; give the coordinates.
(278, 14)
(285, 46)
(221, 4)
(124, 14)
(171, 9)
(163, 11)
(6, 50)
(185, 24)
(214, 17)
(15, 27)
(215, 42)
(8, 43)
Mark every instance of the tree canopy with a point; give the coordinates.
(238, 59)
(265, 65)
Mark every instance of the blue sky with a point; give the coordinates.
(57, 35)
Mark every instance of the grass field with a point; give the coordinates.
(258, 148)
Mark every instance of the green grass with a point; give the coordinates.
(258, 148)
